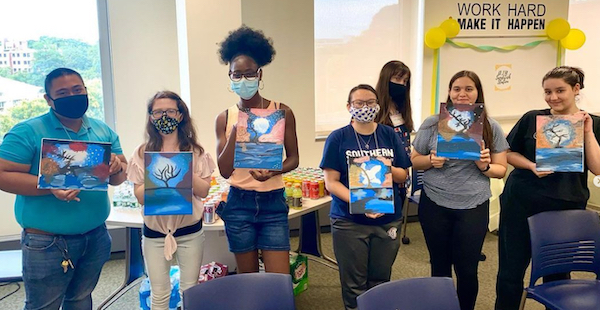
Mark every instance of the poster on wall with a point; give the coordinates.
(503, 80)
(559, 143)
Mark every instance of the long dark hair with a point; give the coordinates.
(488, 134)
(390, 69)
(186, 133)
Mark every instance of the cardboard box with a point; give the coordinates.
(299, 272)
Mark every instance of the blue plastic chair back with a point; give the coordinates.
(248, 291)
(416, 181)
(564, 241)
(411, 294)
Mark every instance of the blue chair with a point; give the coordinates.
(561, 242)
(248, 291)
(411, 294)
(416, 182)
(11, 268)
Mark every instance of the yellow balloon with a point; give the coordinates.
(558, 29)
(450, 27)
(435, 38)
(574, 40)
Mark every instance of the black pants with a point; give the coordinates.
(514, 244)
(365, 255)
(455, 237)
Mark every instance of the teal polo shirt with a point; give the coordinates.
(22, 145)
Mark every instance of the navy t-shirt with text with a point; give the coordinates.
(342, 144)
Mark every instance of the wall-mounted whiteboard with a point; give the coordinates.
(518, 89)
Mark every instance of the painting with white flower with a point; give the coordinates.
(559, 143)
(460, 131)
(259, 139)
(68, 164)
(371, 186)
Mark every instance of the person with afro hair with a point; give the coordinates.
(256, 213)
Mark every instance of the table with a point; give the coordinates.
(131, 218)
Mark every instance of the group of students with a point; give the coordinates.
(453, 210)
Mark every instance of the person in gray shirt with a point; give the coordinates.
(454, 205)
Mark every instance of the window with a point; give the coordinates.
(57, 44)
(353, 40)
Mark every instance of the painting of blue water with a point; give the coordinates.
(167, 201)
(458, 147)
(559, 159)
(371, 200)
(258, 156)
(168, 183)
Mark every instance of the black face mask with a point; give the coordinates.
(398, 94)
(72, 106)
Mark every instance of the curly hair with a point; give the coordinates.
(249, 42)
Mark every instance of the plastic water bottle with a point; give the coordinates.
(289, 194)
(145, 300)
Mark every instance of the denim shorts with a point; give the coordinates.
(255, 220)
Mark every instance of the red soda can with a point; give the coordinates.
(314, 190)
(305, 189)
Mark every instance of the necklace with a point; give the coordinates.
(366, 143)
(67, 132)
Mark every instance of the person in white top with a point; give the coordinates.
(170, 129)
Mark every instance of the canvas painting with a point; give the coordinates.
(370, 184)
(259, 140)
(559, 143)
(460, 131)
(68, 164)
(168, 183)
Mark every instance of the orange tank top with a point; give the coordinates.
(241, 178)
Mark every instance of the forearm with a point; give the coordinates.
(21, 183)
(200, 187)
(289, 164)
(225, 159)
(119, 177)
(138, 191)
(399, 175)
(338, 189)
(496, 171)
(519, 161)
(592, 153)
(421, 162)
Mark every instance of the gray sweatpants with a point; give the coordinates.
(365, 255)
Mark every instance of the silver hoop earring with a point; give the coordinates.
(261, 86)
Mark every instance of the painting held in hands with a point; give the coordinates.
(68, 164)
(370, 184)
(168, 183)
(259, 139)
(460, 131)
(559, 143)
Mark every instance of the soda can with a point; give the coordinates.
(305, 189)
(321, 188)
(209, 213)
(314, 190)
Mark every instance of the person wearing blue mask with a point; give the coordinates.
(256, 214)
(64, 241)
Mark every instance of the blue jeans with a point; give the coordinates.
(47, 286)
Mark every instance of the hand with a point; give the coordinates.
(539, 174)
(261, 174)
(373, 215)
(436, 162)
(484, 157)
(587, 121)
(115, 164)
(66, 195)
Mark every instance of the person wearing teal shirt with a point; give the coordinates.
(64, 240)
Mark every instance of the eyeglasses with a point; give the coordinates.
(250, 76)
(159, 113)
(361, 103)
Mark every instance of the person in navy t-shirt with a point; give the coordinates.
(365, 244)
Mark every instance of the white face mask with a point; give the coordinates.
(365, 114)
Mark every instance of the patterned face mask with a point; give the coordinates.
(165, 124)
(365, 114)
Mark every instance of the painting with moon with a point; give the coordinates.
(460, 131)
(168, 183)
(259, 139)
(370, 184)
(68, 164)
(559, 143)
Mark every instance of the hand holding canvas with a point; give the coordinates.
(484, 158)
(436, 162)
(66, 194)
(261, 174)
(115, 164)
(374, 215)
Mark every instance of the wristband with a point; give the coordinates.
(486, 169)
(120, 170)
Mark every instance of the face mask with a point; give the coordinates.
(398, 94)
(364, 114)
(72, 106)
(244, 88)
(165, 124)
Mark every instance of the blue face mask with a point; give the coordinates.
(244, 88)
